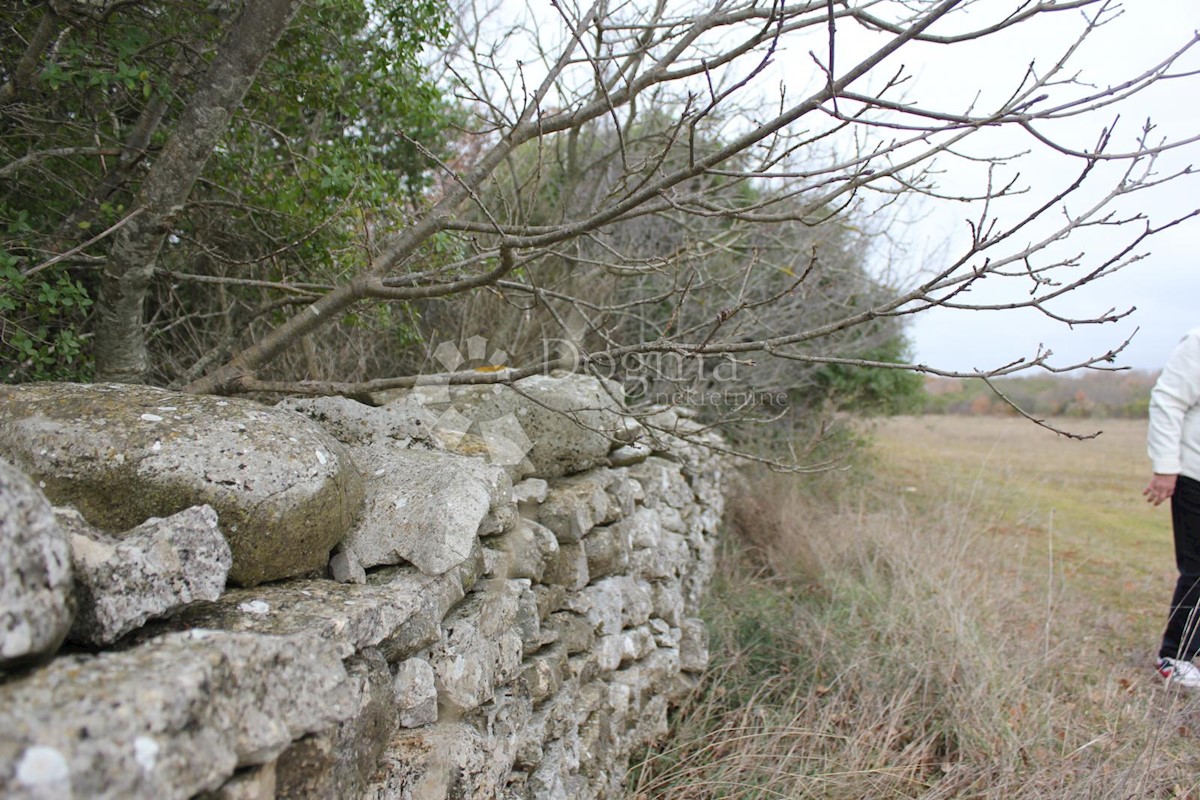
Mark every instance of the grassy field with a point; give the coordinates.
(970, 612)
(1062, 507)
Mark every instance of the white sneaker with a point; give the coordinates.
(1179, 673)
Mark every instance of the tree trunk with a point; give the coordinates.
(120, 337)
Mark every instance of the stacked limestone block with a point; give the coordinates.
(566, 655)
(483, 631)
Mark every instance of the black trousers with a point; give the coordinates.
(1182, 637)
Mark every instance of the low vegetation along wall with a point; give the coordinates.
(508, 610)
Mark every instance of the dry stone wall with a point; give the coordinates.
(506, 608)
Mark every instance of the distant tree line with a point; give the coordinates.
(1124, 394)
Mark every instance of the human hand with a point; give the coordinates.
(1161, 487)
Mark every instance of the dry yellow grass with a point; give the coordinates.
(1072, 505)
(975, 619)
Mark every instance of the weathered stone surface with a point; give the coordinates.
(574, 506)
(338, 762)
(574, 631)
(601, 604)
(397, 609)
(637, 601)
(664, 634)
(607, 549)
(361, 738)
(35, 573)
(668, 559)
(671, 520)
(530, 548)
(284, 490)
(513, 687)
(306, 768)
(629, 454)
(568, 420)
(637, 644)
(416, 693)
(401, 423)
(425, 627)
(501, 518)
(543, 674)
(583, 668)
(529, 620)
(647, 680)
(607, 652)
(549, 599)
(448, 761)
(344, 567)
(569, 569)
(251, 783)
(663, 483)
(614, 603)
(693, 645)
(623, 491)
(150, 571)
(551, 779)
(667, 601)
(530, 490)
(496, 563)
(504, 720)
(169, 719)
(643, 528)
(480, 647)
(423, 507)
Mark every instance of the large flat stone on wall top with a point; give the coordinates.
(285, 491)
(35, 573)
(401, 422)
(423, 507)
(169, 719)
(564, 423)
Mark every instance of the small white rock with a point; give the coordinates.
(255, 607)
(42, 767)
(145, 752)
(151, 418)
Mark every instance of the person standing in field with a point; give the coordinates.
(1173, 444)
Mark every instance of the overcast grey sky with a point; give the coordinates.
(1164, 287)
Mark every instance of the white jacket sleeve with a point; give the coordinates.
(1175, 393)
